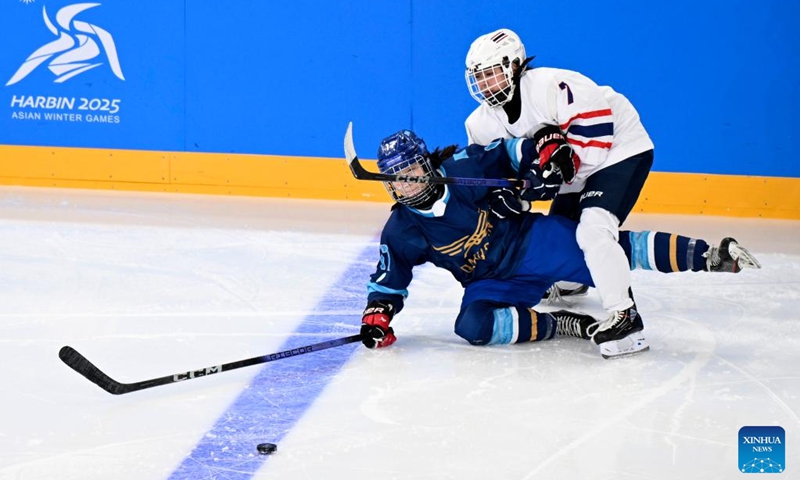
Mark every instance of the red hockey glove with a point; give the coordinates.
(375, 329)
(555, 154)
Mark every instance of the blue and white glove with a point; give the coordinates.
(541, 188)
(504, 203)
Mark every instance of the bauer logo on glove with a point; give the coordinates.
(375, 329)
(555, 154)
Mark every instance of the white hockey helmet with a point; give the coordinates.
(489, 62)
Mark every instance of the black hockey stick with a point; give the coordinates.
(80, 364)
(362, 174)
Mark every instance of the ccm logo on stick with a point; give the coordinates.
(197, 373)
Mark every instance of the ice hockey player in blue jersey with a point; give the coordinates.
(504, 259)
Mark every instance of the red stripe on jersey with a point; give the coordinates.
(590, 143)
(593, 114)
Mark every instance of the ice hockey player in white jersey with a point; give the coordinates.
(589, 134)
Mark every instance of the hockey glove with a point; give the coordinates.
(541, 188)
(375, 329)
(555, 154)
(504, 202)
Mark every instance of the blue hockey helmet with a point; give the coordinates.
(404, 153)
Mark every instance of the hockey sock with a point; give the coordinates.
(530, 325)
(664, 252)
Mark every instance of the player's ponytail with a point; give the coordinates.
(441, 154)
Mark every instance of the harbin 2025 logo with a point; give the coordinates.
(76, 50)
(79, 47)
(762, 450)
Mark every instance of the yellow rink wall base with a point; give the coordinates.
(330, 179)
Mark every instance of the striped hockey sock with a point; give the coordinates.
(662, 251)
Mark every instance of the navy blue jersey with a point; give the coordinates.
(458, 233)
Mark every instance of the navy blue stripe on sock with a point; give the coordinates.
(282, 391)
(662, 252)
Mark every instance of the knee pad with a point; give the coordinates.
(596, 226)
(475, 323)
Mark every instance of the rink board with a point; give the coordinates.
(330, 179)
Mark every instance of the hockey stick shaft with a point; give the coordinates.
(83, 366)
(360, 173)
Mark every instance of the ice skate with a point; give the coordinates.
(572, 324)
(729, 257)
(621, 335)
(559, 290)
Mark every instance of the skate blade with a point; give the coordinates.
(631, 345)
(581, 291)
(560, 297)
(743, 257)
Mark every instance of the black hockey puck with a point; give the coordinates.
(267, 448)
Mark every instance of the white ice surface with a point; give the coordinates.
(147, 285)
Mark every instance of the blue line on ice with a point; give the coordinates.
(282, 391)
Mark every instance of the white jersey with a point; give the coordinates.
(600, 124)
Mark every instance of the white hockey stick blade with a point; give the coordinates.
(349, 148)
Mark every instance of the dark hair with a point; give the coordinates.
(441, 154)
